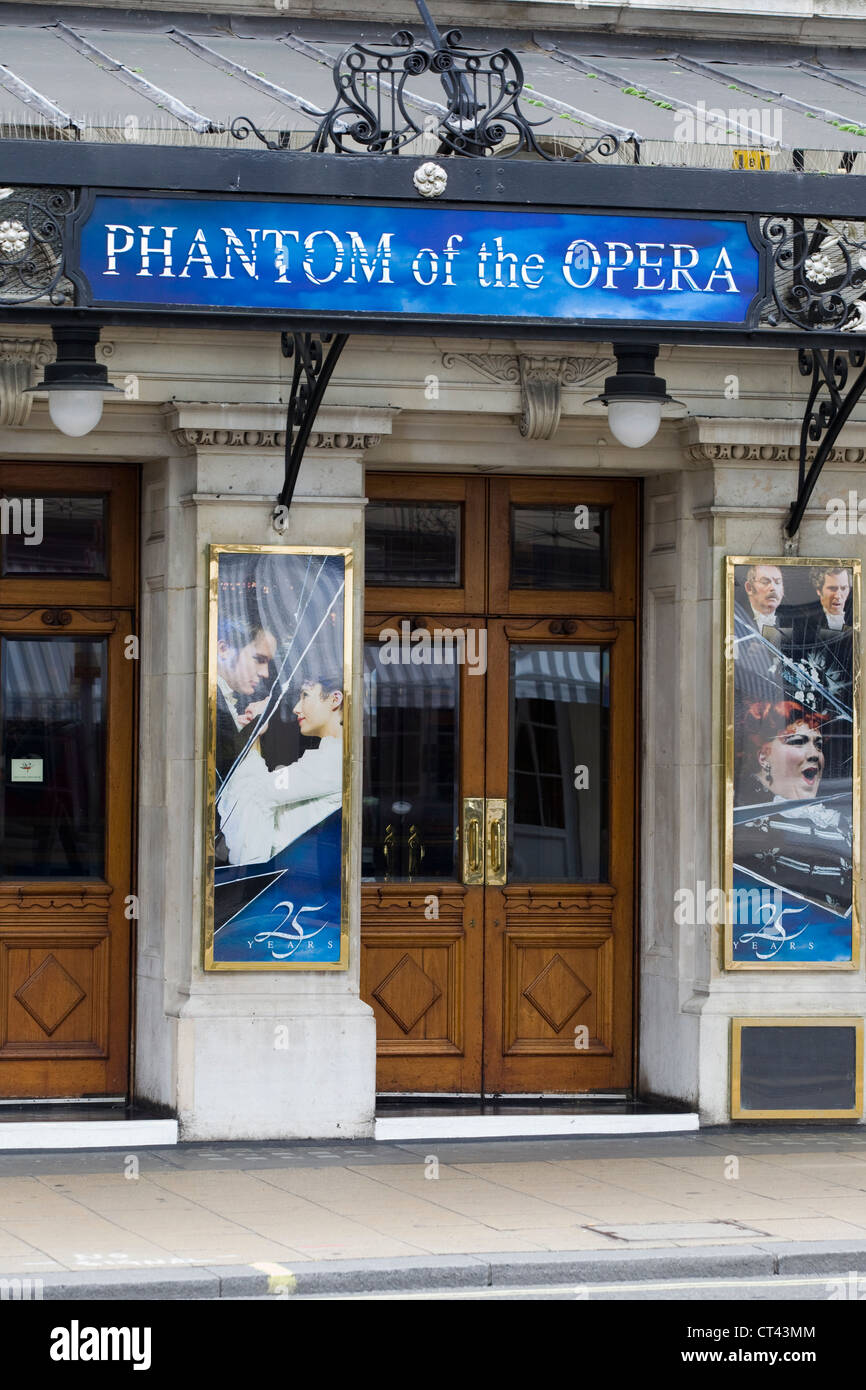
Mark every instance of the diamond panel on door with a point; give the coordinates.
(55, 1001)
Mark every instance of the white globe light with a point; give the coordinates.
(75, 412)
(634, 423)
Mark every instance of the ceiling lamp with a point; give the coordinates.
(76, 383)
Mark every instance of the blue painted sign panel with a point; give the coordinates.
(438, 262)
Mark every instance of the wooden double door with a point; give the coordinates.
(68, 662)
(499, 754)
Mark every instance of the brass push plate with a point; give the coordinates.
(473, 839)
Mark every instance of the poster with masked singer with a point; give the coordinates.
(792, 852)
(279, 673)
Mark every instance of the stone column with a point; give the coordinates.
(732, 499)
(206, 1040)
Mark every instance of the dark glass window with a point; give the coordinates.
(560, 547)
(45, 534)
(411, 772)
(413, 543)
(558, 764)
(52, 726)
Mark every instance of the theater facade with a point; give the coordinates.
(430, 580)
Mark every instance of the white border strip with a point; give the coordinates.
(514, 1126)
(86, 1134)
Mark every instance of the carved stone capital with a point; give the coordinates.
(541, 383)
(540, 378)
(19, 358)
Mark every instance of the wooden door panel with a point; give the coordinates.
(65, 944)
(559, 955)
(470, 494)
(422, 977)
(557, 966)
(617, 500)
(55, 1003)
(118, 485)
(422, 938)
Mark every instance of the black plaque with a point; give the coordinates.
(798, 1067)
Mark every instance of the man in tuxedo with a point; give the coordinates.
(758, 635)
(765, 590)
(823, 637)
(833, 588)
(244, 653)
(825, 649)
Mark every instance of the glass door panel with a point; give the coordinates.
(52, 737)
(411, 770)
(558, 764)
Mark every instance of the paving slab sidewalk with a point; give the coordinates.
(204, 1221)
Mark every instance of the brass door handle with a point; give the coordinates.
(416, 851)
(388, 850)
(495, 814)
(474, 857)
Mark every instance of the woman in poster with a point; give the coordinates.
(805, 845)
(262, 811)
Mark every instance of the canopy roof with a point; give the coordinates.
(103, 75)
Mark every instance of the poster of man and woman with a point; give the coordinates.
(793, 646)
(279, 655)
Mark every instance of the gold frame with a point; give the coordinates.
(854, 567)
(214, 552)
(737, 1026)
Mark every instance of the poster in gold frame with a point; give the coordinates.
(278, 761)
(806, 1071)
(792, 763)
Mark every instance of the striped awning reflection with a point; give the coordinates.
(43, 675)
(568, 675)
(404, 686)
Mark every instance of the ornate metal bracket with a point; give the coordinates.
(313, 367)
(32, 252)
(482, 87)
(817, 273)
(824, 421)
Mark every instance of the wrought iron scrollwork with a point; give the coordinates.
(32, 253)
(830, 405)
(818, 269)
(371, 111)
(314, 357)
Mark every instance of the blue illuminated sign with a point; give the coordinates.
(438, 262)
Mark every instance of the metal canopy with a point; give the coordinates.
(118, 75)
